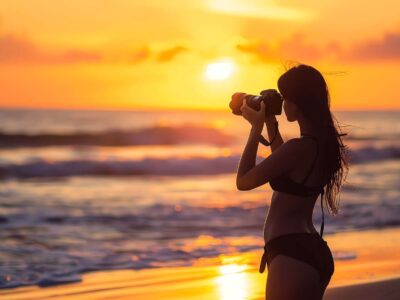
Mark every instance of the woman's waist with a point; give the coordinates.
(273, 229)
(293, 236)
(288, 220)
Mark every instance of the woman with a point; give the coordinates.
(300, 263)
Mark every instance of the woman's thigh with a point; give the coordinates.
(289, 278)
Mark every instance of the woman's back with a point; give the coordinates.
(291, 210)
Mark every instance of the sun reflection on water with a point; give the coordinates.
(233, 282)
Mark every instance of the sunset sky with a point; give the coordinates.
(127, 54)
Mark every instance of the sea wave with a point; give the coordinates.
(158, 134)
(147, 166)
(372, 137)
(374, 153)
(170, 166)
(156, 236)
(155, 135)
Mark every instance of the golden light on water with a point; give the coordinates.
(233, 282)
(219, 70)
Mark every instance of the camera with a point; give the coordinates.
(271, 97)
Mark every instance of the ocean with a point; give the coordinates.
(98, 190)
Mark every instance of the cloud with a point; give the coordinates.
(140, 54)
(295, 47)
(75, 56)
(170, 53)
(15, 49)
(144, 53)
(387, 48)
(20, 49)
(260, 49)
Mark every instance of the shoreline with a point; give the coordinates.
(373, 270)
(381, 289)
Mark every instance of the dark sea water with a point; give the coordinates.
(99, 190)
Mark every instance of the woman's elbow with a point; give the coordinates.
(248, 184)
(238, 185)
(242, 187)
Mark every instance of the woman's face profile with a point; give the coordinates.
(290, 109)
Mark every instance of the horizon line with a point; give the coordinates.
(155, 109)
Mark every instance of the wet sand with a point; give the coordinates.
(367, 267)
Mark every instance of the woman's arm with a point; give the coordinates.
(250, 176)
(270, 123)
(248, 159)
(284, 159)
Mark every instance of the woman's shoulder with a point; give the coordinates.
(300, 144)
(296, 142)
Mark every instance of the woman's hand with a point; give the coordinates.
(255, 118)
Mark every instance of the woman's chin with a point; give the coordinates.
(290, 120)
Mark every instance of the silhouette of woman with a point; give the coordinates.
(300, 263)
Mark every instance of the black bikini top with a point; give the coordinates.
(284, 184)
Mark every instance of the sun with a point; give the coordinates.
(219, 70)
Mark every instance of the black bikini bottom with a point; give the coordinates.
(307, 247)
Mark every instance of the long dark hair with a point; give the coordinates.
(307, 88)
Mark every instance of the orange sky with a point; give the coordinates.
(149, 54)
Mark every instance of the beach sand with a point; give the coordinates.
(374, 273)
